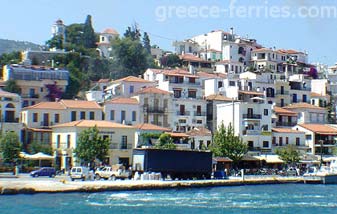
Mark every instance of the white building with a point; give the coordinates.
(104, 46)
(251, 121)
(286, 136)
(307, 113)
(122, 110)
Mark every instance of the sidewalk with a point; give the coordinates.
(8, 175)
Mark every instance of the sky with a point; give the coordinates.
(304, 25)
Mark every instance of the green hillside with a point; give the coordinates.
(7, 46)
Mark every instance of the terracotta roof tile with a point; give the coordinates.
(46, 105)
(219, 97)
(211, 75)
(110, 31)
(179, 73)
(303, 105)
(92, 123)
(286, 130)
(282, 111)
(103, 80)
(320, 128)
(132, 79)
(83, 104)
(314, 94)
(147, 126)
(178, 134)
(152, 90)
(251, 93)
(199, 131)
(262, 50)
(123, 100)
(7, 94)
(191, 58)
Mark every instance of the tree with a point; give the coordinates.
(130, 57)
(171, 60)
(11, 86)
(10, 147)
(35, 147)
(165, 142)
(289, 154)
(91, 146)
(146, 42)
(55, 42)
(89, 36)
(54, 92)
(133, 32)
(226, 144)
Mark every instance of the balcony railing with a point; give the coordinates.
(121, 146)
(325, 142)
(286, 123)
(11, 120)
(279, 92)
(29, 95)
(251, 132)
(198, 113)
(251, 116)
(152, 109)
(183, 113)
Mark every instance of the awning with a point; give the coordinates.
(249, 158)
(222, 159)
(269, 158)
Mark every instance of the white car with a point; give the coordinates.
(80, 172)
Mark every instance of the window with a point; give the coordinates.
(177, 93)
(308, 137)
(112, 115)
(298, 141)
(41, 89)
(134, 115)
(287, 140)
(199, 121)
(304, 98)
(266, 144)
(58, 139)
(68, 141)
(192, 93)
(57, 118)
(250, 144)
(73, 116)
(92, 115)
(122, 115)
(274, 141)
(265, 112)
(131, 89)
(220, 84)
(35, 117)
(82, 115)
(124, 142)
(231, 83)
(280, 141)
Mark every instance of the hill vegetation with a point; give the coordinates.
(8, 46)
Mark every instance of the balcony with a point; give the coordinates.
(46, 124)
(11, 120)
(30, 96)
(121, 146)
(183, 113)
(325, 143)
(198, 113)
(154, 109)
(251, 116)
(281, 123)
(279, 92)
(251, 132)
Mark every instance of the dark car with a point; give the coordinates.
(44, 171)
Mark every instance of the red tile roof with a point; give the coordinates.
(320, 128)
(219, 97)
(47, 105)
(199, 131)
(303, 105)
(286, 130)
(251, 92)
(123, 100)
(132, 79)
(211, 75)
(92, 123)
(192, 58)
(152, 90)
(178, 134)
(83, 104)
(147, 126)
(110, 31)
(282, 111)
(314, 94)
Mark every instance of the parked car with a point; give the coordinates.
(117, 171)
(80, 172)
(44, 171)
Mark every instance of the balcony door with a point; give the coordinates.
(45, 119)
(182, 109)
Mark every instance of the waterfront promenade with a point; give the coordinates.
(27, 185)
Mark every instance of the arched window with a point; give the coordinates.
(10, 105)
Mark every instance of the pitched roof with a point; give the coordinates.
(46, 105)
(179, 73)
(314, 94)
(110, 31)
(84, 104)
(92, 123)
(218, 97)
(303, 105)
(152, 90)
(148, 126)
(192, 58)
(158, 71)
(262, 50)
(177, 134)
(199, 131)
(282, 111)
(103, 80)
(285, 130)
(320, 128)
(7, 94)
(132, 79)
(123, 100)
(211, 75)
(251, 92)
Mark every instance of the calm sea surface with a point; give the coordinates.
(286, 198)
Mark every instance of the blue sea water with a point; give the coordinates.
(284, 198)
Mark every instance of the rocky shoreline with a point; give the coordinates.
(63, 186)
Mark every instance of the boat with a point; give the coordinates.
(325, 175)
